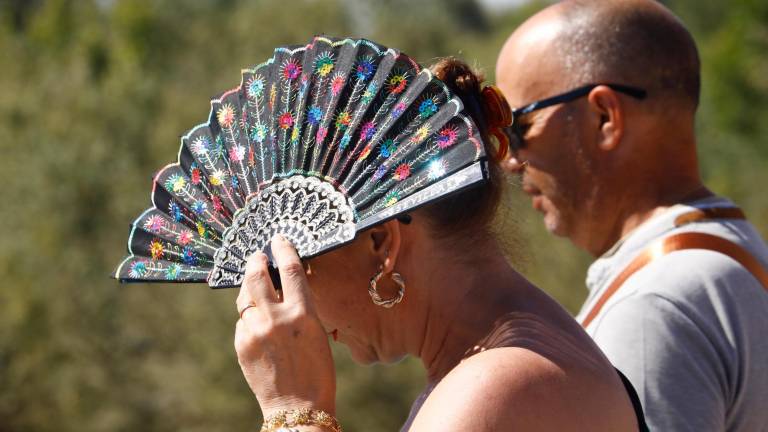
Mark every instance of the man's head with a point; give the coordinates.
(592, 162)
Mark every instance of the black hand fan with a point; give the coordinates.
(317, 143)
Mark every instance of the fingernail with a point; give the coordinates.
(255, 255)
(281, 238)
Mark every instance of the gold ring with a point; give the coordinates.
(250, 305)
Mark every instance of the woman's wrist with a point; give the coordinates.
(272, 407)
(303, 429)
(301, 419)
(314, 429)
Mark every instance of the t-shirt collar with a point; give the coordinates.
(628, 246)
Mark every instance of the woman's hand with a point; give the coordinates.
(281, 346)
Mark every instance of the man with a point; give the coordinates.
(613, 167)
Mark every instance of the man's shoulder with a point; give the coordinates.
(691, 298)
(683, 274)
(690, 287)
(699, 286)
(696, 267)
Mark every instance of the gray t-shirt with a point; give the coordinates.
(690, 330)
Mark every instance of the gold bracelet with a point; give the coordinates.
(300, 417)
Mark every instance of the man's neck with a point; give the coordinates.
(638, 211)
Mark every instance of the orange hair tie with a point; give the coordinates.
(499, 116)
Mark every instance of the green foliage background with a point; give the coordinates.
(94, 95)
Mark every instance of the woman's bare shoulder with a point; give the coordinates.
(499, 389)
(516, 388)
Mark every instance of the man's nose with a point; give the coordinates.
(514, 164)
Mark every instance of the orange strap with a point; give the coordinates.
(683, 241)
(709, 214)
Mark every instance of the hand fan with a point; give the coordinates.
(317, 143)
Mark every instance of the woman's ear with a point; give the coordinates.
(385, 244)
(605, 103)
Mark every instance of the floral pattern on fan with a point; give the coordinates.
(317, 143)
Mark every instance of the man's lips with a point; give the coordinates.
(535, 194)
(537, 202)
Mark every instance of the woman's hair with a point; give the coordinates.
(466, 216)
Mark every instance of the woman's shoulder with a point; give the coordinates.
(528, 381)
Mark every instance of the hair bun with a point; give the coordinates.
(458, 75)
(488, 107)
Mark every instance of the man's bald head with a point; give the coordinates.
(636, 42)
(633, 42)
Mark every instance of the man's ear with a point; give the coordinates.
(384, 244)
(606, 104)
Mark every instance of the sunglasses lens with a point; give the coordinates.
(515, 141)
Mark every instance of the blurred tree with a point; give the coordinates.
(733, 40)
(93, 97)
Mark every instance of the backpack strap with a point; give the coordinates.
(685, 241)
(710, 213)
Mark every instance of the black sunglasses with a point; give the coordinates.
(515, 132)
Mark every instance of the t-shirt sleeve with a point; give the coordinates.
(669, 359)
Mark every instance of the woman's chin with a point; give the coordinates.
(370, 356)
(363, 356)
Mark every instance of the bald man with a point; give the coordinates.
(603, 137)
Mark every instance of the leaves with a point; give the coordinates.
(95, 94)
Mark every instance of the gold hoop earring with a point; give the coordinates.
(397, 278)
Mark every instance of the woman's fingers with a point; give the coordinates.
(292, 276)
(257, 287)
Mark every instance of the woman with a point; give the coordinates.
(499, 353)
